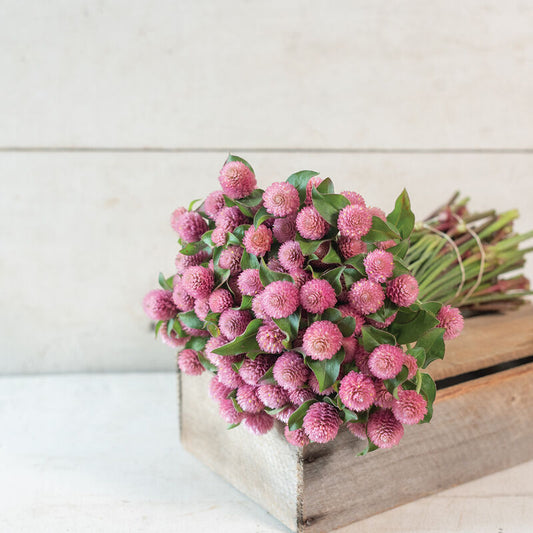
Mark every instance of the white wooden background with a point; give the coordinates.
(113, 113)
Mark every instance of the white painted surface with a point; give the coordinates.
(101, 453)
(352, 74)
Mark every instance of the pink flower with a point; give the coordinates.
(300, 276)
(237, 180)
(158, 305)
(270, 337)
(315, 181)
(257, 306)
(284, 229)
(258, 423)
(412, 365)
(354, 221)
(229, 218)
(383, 397)
(217, 390)
(257, 241)
(189, 363)
(181, 298)
(272, 396)
(252, 370)
(230, 259)
(361, 360)
(175, 218)
(290, 370)
(354, 198)
(171, 340)
(201, 308)
(227, 374)
(212, 344)
(321, 422)
(348, 310)
(228, 412)
(297, 437)
(357, 391)
(220, 300)
(249, 282)
(233, 286)
(281, 199)
(322, 340)
(193, 332)
(248, 399)
(290, 255)
(366, 296)
(285, 414)
(350, 348)
(377, 212)
(403, 290)
(410, 407)
(300, 396)
(383, 429)
(198, 281)
(191, 226)
(310, 224)
(219, 236)
(280, 299)
(357, 429)
(317, 295)
(386, 361)
(451, 319)
(350, 247)
(213, 204)
(379, 265)
(382, 325)
(384, 245)
(233, 322)
(315, 387)
(183, 261)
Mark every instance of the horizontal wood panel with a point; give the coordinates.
(83, 237)
(309, 74)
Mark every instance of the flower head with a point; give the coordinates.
(191, 226)
(230, 259)
(350, 247)
(354, 198)
(379, 265)
(257, 241)
(270, 338)
(315, 386)
(183, 261)
(228, 412)
(189, 363)
(158, 305)
(175, 217)
(322, 340)
(212, 344)
(252, 370)
(383, 397)
(315, 181)
(348, 310)
(290, 255)
(233, 322)
(229, 218)
(227, 375)
(451, 319)
(237, 180)
(410, 362)
(300, 396)
(181, 298)
(248, 399)
(258, 423)
(272, 396)
(297, 437)
(357, 429)
(281, 199)
(280, 299)
(249, 282)
(201, 308)
(382, 325)
(213, 204)
(321, 422)
(357, 391)
(198, 281)
(310, 224)
(220, 300)
(284, 229)
(290, 371)
(300, 276)
(410, 407)
(219, 236)
(285, 414)
(403, 290)
(354, 221)
(386, 361)
(171, 339)
(217, 390)
(366, 296)
(383, 429)
(317, 295)
(257, 306)
(377, 212)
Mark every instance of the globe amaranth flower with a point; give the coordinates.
(171, 339)
(285, 414)
(384, 245)
(383, 397)
(252, 370)
(315, 181)
(284, 229)
(382, 325)
(386, 361)
(213, 204)
(233, 322)
(403, 290)
(181, 298)
(317, 295)
(322, 340)
(350, 247)
(366, 296)
(296, 437)
(229, 218)
(191, 226)
(248, 399)
(377, 212)
(198, 281)
(227, 375)
(257, 306)
(354, 198)
(350, 348)
(290, 256)
(281, 199)
(274, 265)
(175, 217)
(237, 180)
(228, 412)
(300, 276)
(230, 259)
(220, 300)
(357, 391)
(300, 396)
(383, 429)
(201, 308)
(321, 422)
(410, 407)
(290, 371)
(189, 363)
(280, 299)
(249, 282)
(357, 429)
(272, 396)
(412, 365)
(258, 423)
(257, 241)
(379, 265)
(270, 338)
(354, 221)
(310, 224)
(212, 344)
(217, 390)
(451, 319)
(361, 357)
(183, 261)
(158, 305)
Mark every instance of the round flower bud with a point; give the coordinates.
(158, 305)
(281, 199)
(220, 300)
(280, 299)
(297, 437)
(386, 361)
(248, 399)
(189, 363)
(191, 226)
(354, 221)
(233, 322)
(379, 265)
(317, 295)
(213, 204)
(383, 429)
(198, 281)
(290, 255)
(257, 241)
(310, 224)
(410, 407)
(290, 371)
(230, 259)
(237, 180)
(228, 412)
(322, 340)
(451, 319)
(403, 290)
(357, 391)
(258, 423)
(272, 396)
(252, 370)
(284, 229)
(366, 296)
(321, 422)
(270, 338)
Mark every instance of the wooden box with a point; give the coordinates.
(483, 422)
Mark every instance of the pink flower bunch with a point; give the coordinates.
(299, 304)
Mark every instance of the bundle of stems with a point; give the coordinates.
(469, 260)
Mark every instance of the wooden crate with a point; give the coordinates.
(483, 422)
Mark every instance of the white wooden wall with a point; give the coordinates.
(113, 113)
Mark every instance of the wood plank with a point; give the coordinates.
(276, 74)
(478, 428)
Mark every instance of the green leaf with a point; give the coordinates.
(411, 323)
(431, 307)
(332, 256)
(178, 329)
(232, 157)
(370, 447)
(357, 262)
(268, 377)
(380, 231)
(351, 275)
(402, 217)
(289, 326)
(245, 343)
(208, 365)
(307, 247)
(191, 205)
(246, 204)
(433, 344)
(326, 371)
(334, 278)
(158, 326)
(249, 261)
(419, 354)
(296, 419)
(166, 283)
(221, 276)
(191, 320)
(268, 276)
(326, 187)
(332, 314)
(300, 180)
(192, 248)
(347, 326)
(246, 302)
(384, 312)
(429, 391)
(349, 416)
(206, 238)
(373, 337)
(236, 405)
(392, 384)
(400, 250)
(261, 216)
(196, 343)
(329, 205)
(232, 426)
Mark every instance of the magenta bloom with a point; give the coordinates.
(230, 259)
(248, 399)
(201, 308)
(285, 414)
(315, 181)
(237, 180)
(252, 370)
(411, 363)
(258, 423)
(281, 199)
(270, 338)
(350, 348)
(233, 322)
(249, 282)
(366, 296)
(274, 265)
(377, 212)
(257, 306)
(451, 319)
(219, 236)
(217, 390)
(171, 340)
(361, 360)
(310, 224)
(321, 422)
(300, 396)
(227, 374)
(350, 247)
(297, 437)
(382, 325)
(386, 361)
(383, 245)
(183, 261)
(181, 298)
(354, 198)
(198, 281)
(229, 218)
(228, 412)
(212, 344)
(175, 218)
(300, 276)
(354, 221)
(383, 429)
(379, 265)
(357, 429)
(272, 396)
(258, 241)
(357, 391)
(213, 204)
(280, 299)
(317, 295)
(322, 340)
(189, 363)
(290, 370)
(383, 397)
(410, 407)
(284, 229)
(158, 305)
(290, 255)
(220, 300)
(403, 290)
(191, 226)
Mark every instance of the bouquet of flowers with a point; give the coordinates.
(311, 308)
